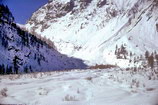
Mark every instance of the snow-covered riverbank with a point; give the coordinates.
(86, 87)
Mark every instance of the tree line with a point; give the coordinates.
(151, 58)
(14, 67)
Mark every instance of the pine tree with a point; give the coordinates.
(146, 54)
(135, 60)
(7, 70)
(156, 57)
(123, 51)
(1, 70)
(151, 60)
(131, 54)
(155, 52)
(30, 69)
(26, 69)
(16, 63)
(141, 57)
(39, 61)
(116, 50)
(10, 70)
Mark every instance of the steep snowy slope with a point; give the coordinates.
(23, 52)
(91, 29)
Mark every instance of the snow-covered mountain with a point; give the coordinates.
(22, 51)
(94, 29)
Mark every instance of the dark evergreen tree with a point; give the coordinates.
(135, 60)
(5, 14)
(141, 57)
(26, 69)
(151, 60)
(116, 48)
(156, 57)
(39, 61)
(9, 70)
(16, 63)
(131, 54)
(35, 56)
(30, 69)
(123, 51)
(146, 54)
(1, 70)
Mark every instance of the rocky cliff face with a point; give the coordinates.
(99, 31)
(24, 52)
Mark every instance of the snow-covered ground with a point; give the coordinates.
(81, 87)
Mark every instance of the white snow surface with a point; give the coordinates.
(87, 87)
(91, 32)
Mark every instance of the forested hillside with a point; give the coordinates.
(21, 51)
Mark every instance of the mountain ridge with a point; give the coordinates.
(91, 29)
(23, 52)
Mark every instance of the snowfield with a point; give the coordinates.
(81, 87)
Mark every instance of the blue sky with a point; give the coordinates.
(23, 9)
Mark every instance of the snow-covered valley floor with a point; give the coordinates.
(80, 87)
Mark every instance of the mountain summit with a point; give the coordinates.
(99, 31)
